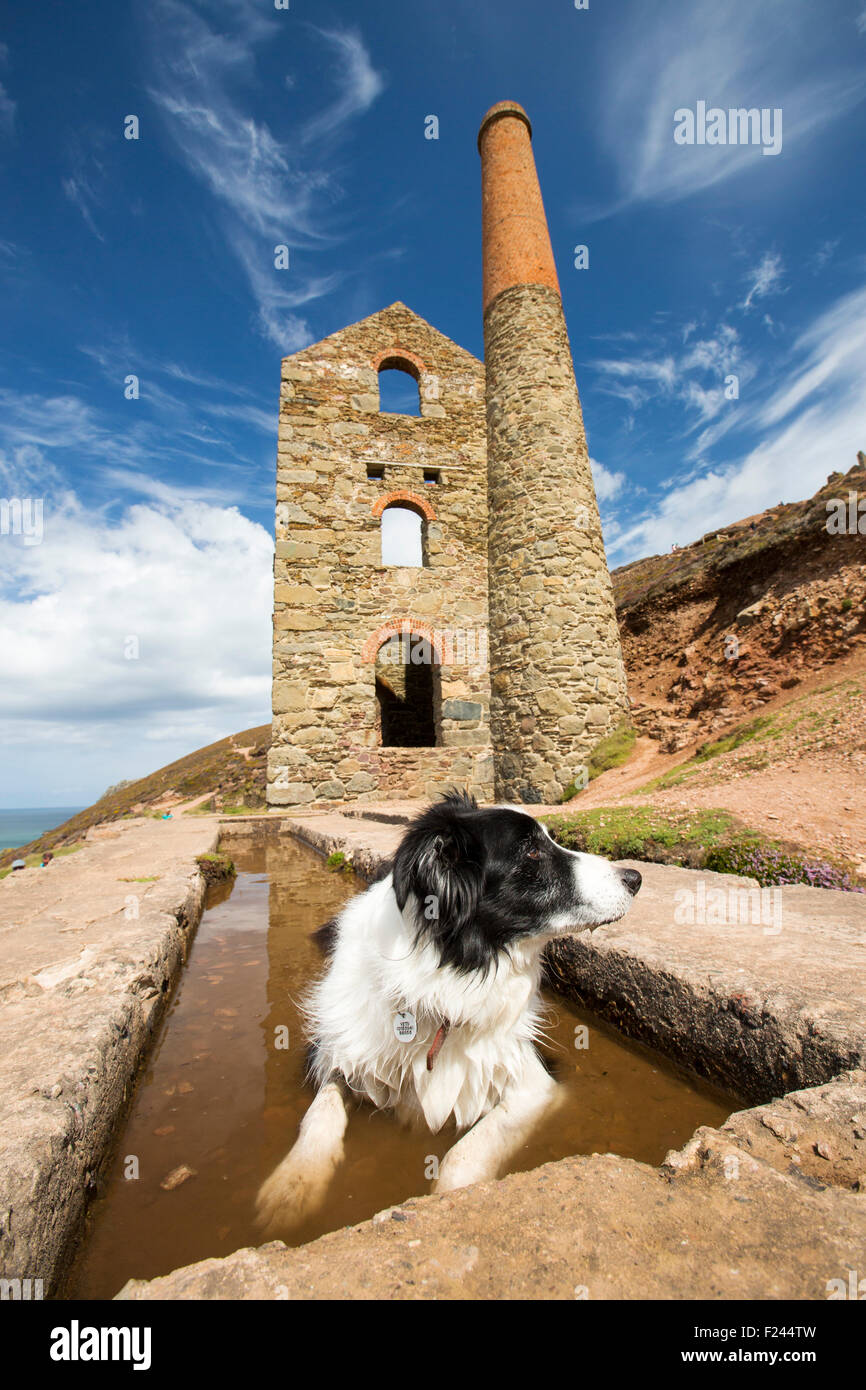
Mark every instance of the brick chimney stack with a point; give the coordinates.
(557, 676)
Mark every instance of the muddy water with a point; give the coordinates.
(221, 1101)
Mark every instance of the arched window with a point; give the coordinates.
(402, 536)
(407, 692)
(399, 393)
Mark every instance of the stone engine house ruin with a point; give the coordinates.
(443, 612)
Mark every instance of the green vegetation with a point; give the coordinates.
(640, 832)
(338, 863)
(610, 752)
(770, 865)
(216, 867)
(712, 840)
(799, 716)
(758, 729)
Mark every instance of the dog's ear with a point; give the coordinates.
(440, 862)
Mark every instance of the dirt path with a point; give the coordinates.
(810, 788)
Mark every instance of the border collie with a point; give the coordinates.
(430, 1005)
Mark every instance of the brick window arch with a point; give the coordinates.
(408, 626)
(412, 499)
(404, 518)
(400, 358)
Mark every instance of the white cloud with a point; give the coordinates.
(359, 84)
(638, 380)
(833, 356)
(59, 422)
(643, 369)
(719, 353)
(81, 194)
(825, 253)
(190, 581)
(608, 483)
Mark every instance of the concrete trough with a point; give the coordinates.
(770, 1205)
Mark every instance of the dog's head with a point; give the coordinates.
(477, 880)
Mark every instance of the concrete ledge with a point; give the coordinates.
(89, 958)
(368, 844)
(758, 1009)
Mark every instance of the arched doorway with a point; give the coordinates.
(407, 691)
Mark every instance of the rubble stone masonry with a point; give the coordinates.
(557, 675)
(335, 604)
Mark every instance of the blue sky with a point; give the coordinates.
(139, 628)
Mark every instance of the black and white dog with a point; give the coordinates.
(430, 1005)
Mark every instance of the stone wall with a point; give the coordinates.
(557, 672)
(335, 603)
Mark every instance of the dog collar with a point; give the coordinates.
(436, 1045)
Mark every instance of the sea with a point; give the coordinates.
(19, 827)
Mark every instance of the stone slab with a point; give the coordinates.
(602, 1227)
(88, 956)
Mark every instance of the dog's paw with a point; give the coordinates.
(461, 1170)
(294, 1191)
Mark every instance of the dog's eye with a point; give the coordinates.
(532, 852)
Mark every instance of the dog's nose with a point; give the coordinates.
(632, 880)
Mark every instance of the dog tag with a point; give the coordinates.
(405, 1026)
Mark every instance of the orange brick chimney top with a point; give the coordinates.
(516, 241)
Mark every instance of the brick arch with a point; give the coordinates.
(398, 357)
(391, 499)
(397, 626)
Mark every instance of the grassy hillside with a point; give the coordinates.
(232, 771)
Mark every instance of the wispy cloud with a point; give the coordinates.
(825, 253)
(269, 191)
(731, 56)
(139, 454)
(81, 194)
(680, 374)
(764, 279)
(7, 111)
(830, 363)
(818, 403)
(7, 105)
(359, 86)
